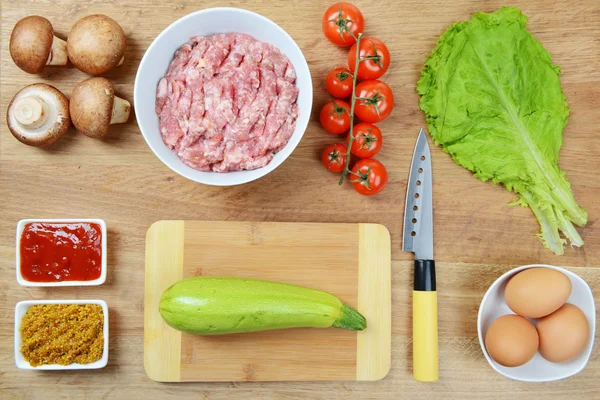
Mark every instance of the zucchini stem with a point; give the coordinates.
(350, 319)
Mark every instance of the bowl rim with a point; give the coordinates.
(498, 282)
(23, 364)
(271, 165)
(103, 273)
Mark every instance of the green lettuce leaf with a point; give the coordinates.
(493, 100)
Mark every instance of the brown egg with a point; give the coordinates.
(511, 340)
(537, 292)
(563, 334)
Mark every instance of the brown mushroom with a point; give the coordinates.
(94, 107)
(96, 44)
(33, 45)
(38, 115)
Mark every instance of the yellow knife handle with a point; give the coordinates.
(425, 323)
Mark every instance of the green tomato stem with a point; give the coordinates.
(351, 139)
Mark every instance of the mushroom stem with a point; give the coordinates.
(30, 112)
(58, 52)
(120, 111)
(121, 61)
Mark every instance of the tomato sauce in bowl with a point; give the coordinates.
(61, 251)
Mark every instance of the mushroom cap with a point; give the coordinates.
(30, 43)
(96, 44)
(57, 116)
(91, 106)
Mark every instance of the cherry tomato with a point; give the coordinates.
(367, 140)
(375, 101)
(335, 117)
(369, 177)
(374, 56)
(339, 83)
(334, 157)
(341, 21)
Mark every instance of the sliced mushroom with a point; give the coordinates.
(94, 107)
(96, 44)
(33, 45)
(38, 115)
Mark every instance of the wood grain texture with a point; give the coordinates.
(477, 236)
(350, 261)
(164, 266)
(374, 302)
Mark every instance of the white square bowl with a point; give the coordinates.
(20, 311)
(537, 369)
(22, 281)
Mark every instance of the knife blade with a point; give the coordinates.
(418, 238)
(418, 214)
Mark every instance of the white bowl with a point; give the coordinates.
(208, 22)
(22, 281)
(20, 311)
(537, 369)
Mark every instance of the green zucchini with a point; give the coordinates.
(220, 305)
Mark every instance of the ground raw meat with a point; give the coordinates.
(227, 103)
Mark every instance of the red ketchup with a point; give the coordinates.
(55, 252)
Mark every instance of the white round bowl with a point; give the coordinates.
(208, 22)
(537, 369)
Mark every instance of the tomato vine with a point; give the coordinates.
(351, 137)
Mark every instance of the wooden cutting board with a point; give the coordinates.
(351, 261)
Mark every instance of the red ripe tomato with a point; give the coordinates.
(367, 140)
(374, 56)
(334, 157)
(375, 101)
(369, 177)
(335, 117)
(339, 83)
(342, 23)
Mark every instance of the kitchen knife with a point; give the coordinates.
(418, 238)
